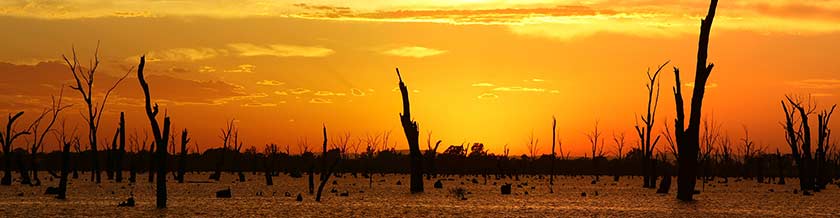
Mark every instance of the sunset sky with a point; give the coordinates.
(488, 71)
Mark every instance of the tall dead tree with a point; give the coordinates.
(799, 139)
(327, 172)
(412, 133)
(688, 138)
(553, 154)
(812, 173)
(161, 136)
(84, 79)
(823, 137)
(182, 159)
(7, 138)
(647, 144)
(324, 157)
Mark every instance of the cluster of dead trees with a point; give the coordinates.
(813, 170)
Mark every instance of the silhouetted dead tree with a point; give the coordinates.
(237, 147)
(8, 139)
(308, 158)
(533, 146)
(431, 156)
(84, 84)
(63, 137)
(271, 154)
(78, 148)
(553, 153)
(342, 143)
(618, 139)
(597, 149)
(688, 139)
(823, 137)
(644, 132)
(109, 155)
(182, 159)
(39, 134)
(799, 140)
(324, 158)
(161, 136)
(226, 137)
(372, 142)
(121, 152)
(710, 135)
(811, 170)
(725, 155)
(752, 154)
(327, 172)
(412, 133)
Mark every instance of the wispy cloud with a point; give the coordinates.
(260, 104)
(482, 85)
(320, 101)
(182, 54)
(817, 83)
(545, 18)
(279, 50)
(518, 89)
(324, 93)
(270, 83)
(357, 92)
(299, 91)
(414, 52)
(206, 69)
(243, 68)
(488, 95)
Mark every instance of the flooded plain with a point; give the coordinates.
(388, 197)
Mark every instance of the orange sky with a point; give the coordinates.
(479, 71)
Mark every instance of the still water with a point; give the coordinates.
(385, 198)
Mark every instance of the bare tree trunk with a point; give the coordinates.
(161, 170)
(65, 169)
(109, 159)
(121, 152)
(324, 169)
(412, 133)
(161, 136)
(327, 177)
(688, 139)
(7, 140)
(182, 159)
(553, 154)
